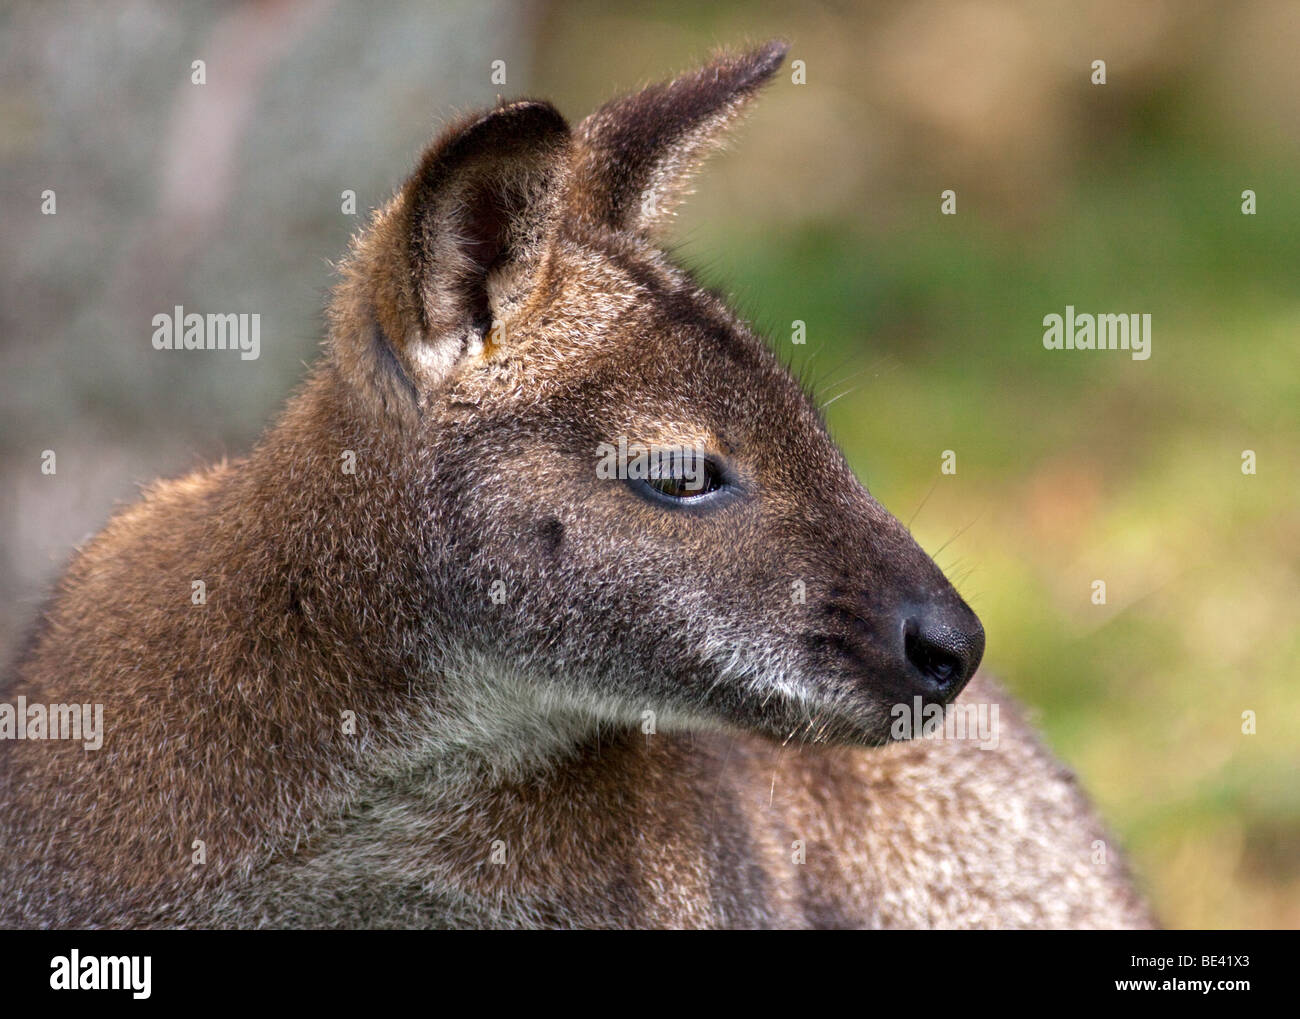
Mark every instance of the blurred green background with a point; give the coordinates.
(924, 330)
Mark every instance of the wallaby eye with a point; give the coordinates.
(685, 476)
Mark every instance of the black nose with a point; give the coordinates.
(944, 652)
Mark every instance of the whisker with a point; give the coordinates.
(924, 500)
(959, 533)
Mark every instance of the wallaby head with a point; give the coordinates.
(614, 498)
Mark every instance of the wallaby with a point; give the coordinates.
(421, 660)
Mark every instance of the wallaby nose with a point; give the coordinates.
(944, 650)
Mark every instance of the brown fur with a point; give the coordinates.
(503, 315)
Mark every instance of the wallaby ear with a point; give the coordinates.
(634, 156)
(458, 246)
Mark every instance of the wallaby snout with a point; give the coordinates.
(943, 646)
(887, 627)
(934, 639)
